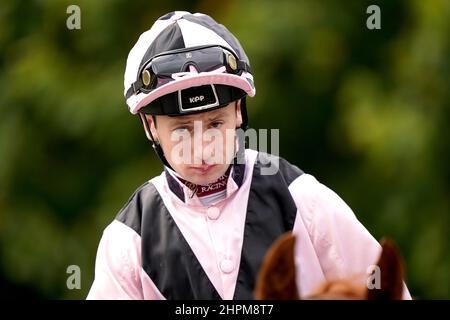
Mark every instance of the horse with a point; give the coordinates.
(276, 279)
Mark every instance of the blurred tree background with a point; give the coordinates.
(365, 111)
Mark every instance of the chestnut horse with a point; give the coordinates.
(277, 281)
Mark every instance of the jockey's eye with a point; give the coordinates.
(182, 129)
(216, 124)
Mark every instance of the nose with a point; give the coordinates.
(204, 145)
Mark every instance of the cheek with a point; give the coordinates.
(175, 146)
(167, 143)
(229, 138)
(228, 141)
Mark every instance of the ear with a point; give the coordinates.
(276, 279)
(238, 114)
(149, 127)
(391, 273)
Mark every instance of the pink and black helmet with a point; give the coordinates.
(186, 63)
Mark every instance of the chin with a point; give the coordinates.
(202, 178)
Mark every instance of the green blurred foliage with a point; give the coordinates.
(365, 111)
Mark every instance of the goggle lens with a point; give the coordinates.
(160, 69)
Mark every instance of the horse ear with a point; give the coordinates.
(276, 279)
(391, 273)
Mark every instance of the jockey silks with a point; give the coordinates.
(165, 244)
(179, 275)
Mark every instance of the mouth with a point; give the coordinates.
(203, 169)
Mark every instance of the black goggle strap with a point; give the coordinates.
(243, 66)
(135, 88)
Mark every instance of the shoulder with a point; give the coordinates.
(122, 236)
(131, 213)
(137, 196)
(119, 251)
(316, 195)
(314, 199)
(119, 236)
(337, 234)
(320, 207)
(272, 166)
(117, 264)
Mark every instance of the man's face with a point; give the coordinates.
(199, 147)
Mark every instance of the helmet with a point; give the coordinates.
(186, 63)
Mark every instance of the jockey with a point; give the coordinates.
(201, 228)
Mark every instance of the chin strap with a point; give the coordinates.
(155, 144)
(244, 125)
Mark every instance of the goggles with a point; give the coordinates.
(159, 70)
(194, 99)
